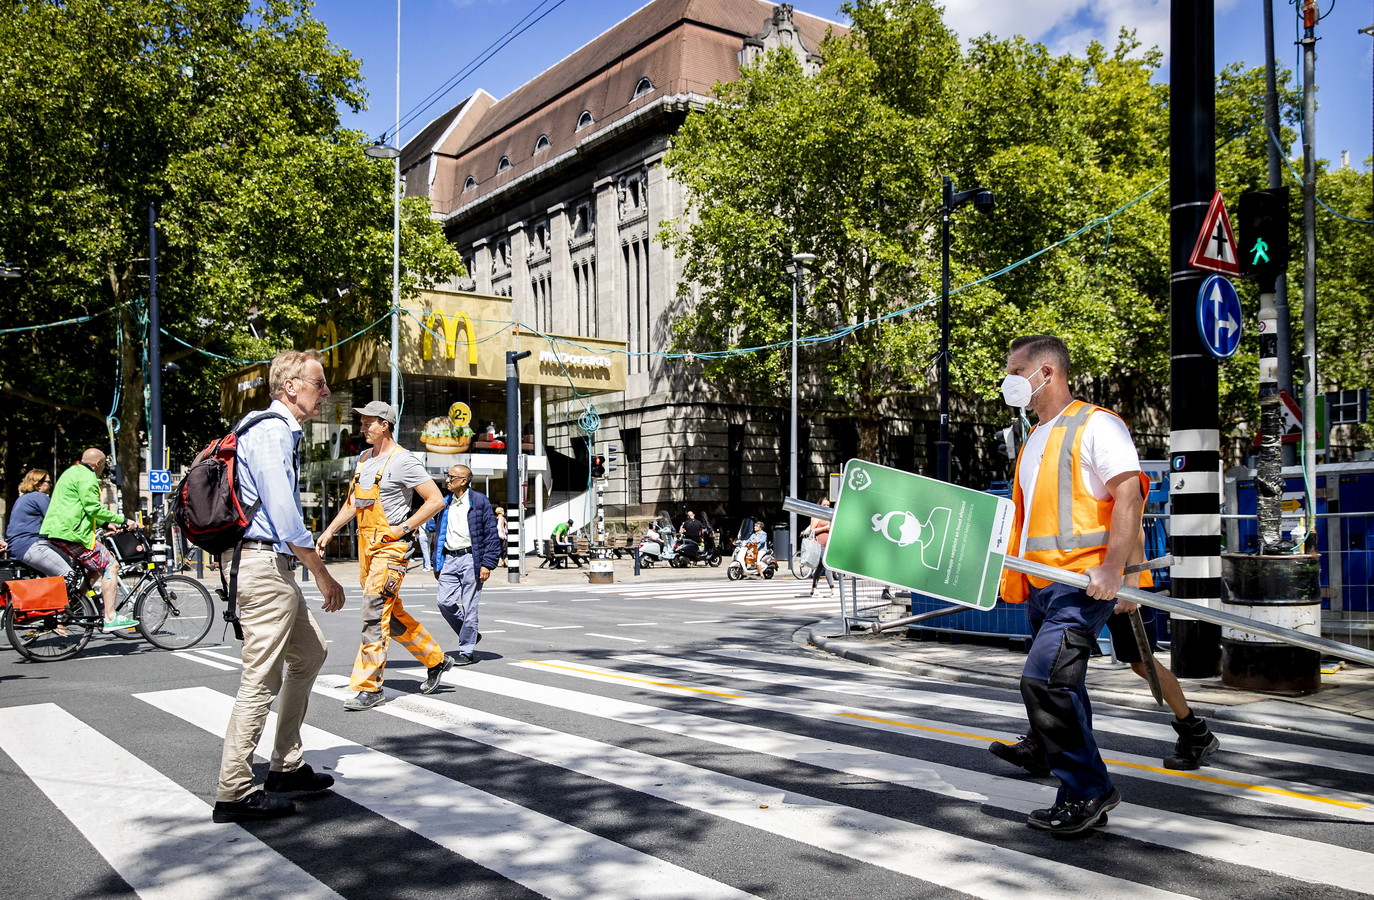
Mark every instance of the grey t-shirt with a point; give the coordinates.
(402, 474)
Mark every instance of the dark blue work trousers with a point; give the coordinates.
(1064, 623)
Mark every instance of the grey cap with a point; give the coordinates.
(384, 411)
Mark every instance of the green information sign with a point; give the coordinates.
(937, 539)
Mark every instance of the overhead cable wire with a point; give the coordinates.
(472, 66)
(1298, 178)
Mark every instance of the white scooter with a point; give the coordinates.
(658, 543)
(747, 558)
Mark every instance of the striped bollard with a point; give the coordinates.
(513, 545)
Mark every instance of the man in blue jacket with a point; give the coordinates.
(467, 547)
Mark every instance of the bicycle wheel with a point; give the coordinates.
(803, 571)
(126, 591)
(174, 612)
(54, 637)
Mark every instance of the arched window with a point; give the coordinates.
(645, 86)
(542, 144)
(470, 184)
(584, 120)
(503, 165)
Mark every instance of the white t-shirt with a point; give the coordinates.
(1107, 451)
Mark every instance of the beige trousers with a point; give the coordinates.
(283, 650)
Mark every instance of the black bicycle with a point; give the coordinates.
(173, 611)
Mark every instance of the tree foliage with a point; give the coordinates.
(224, 114)
(848, 164)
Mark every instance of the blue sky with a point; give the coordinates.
(439, 38)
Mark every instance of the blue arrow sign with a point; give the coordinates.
(1219, 316)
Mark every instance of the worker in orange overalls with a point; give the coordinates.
(380, 499)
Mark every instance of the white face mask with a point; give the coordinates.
(1017, 391)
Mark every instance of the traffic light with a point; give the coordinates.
(598, 467)
(1264, 234)
(611, 450)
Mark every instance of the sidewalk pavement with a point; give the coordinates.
(1343, 707)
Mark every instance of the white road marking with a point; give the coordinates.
(560, 627)
(156, 834)
(614, 637)
(702, 621)
(633, 624)
(540, 852)
(924, 853)
(525, 624)
(196, 657)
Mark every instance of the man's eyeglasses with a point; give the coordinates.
(459, 478)
(319, 383)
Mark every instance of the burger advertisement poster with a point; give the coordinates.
(449, 434)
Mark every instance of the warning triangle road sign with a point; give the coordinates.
(1290, 420)
(1216, 243)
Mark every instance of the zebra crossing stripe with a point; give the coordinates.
(1102, 723)
(1219, 781)
(157, 835)
(1291, 857)
(537, 851)
(927, 854)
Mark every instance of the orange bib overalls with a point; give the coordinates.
(382, 568)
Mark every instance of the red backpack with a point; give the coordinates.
(207, 503)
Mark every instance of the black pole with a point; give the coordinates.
(1284, 333)
(942, 464)
(1194, 436)
(155, 453)
(513, 542)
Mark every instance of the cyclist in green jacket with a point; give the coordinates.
(73, 516)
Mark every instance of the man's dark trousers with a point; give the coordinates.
(1064, 623)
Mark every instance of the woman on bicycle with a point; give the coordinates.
(26, 524)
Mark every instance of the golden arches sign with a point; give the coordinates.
(327, 336)
(438, 323)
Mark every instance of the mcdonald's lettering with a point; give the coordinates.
(438, 323)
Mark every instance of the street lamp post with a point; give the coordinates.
(799, 260)
(983, 201)
(383, 150)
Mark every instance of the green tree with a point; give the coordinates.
(224, 113)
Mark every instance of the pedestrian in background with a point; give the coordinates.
(283, 647)
(502, 532)
(820, 533)
(467, 549)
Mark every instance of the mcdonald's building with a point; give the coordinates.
(452, 362)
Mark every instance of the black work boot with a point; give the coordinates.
(1195, 743)
(1025, 753)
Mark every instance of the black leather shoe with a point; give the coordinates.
(435, 676)
(1025, 753)
(364, 700)
(297, 780)
(1074, 816)
(255, 807)
(462, 659)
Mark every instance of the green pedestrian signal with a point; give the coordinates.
(1264, 229)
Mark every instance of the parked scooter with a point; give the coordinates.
(659, 542)
(745, 562)
(687, 552)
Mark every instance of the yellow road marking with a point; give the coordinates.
(667, 684)
(1195, 776)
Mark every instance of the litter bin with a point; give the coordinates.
(782, 544)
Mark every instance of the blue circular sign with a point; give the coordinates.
(1219, 316)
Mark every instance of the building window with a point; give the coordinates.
(645, 86)
(542, 144)
(470, 184)
(634, 492)
(635, 256)
(582, 220)
(584, 120)
(503, 165)
(584, 293)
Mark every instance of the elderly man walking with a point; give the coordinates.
(468, 547)
(283, 647)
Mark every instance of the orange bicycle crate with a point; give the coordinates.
(32, 595)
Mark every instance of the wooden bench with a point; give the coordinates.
(557, 556)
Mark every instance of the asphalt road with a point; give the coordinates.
(654, 740)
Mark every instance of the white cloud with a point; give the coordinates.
(1066, 26)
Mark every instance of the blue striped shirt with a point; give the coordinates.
(269, 471)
